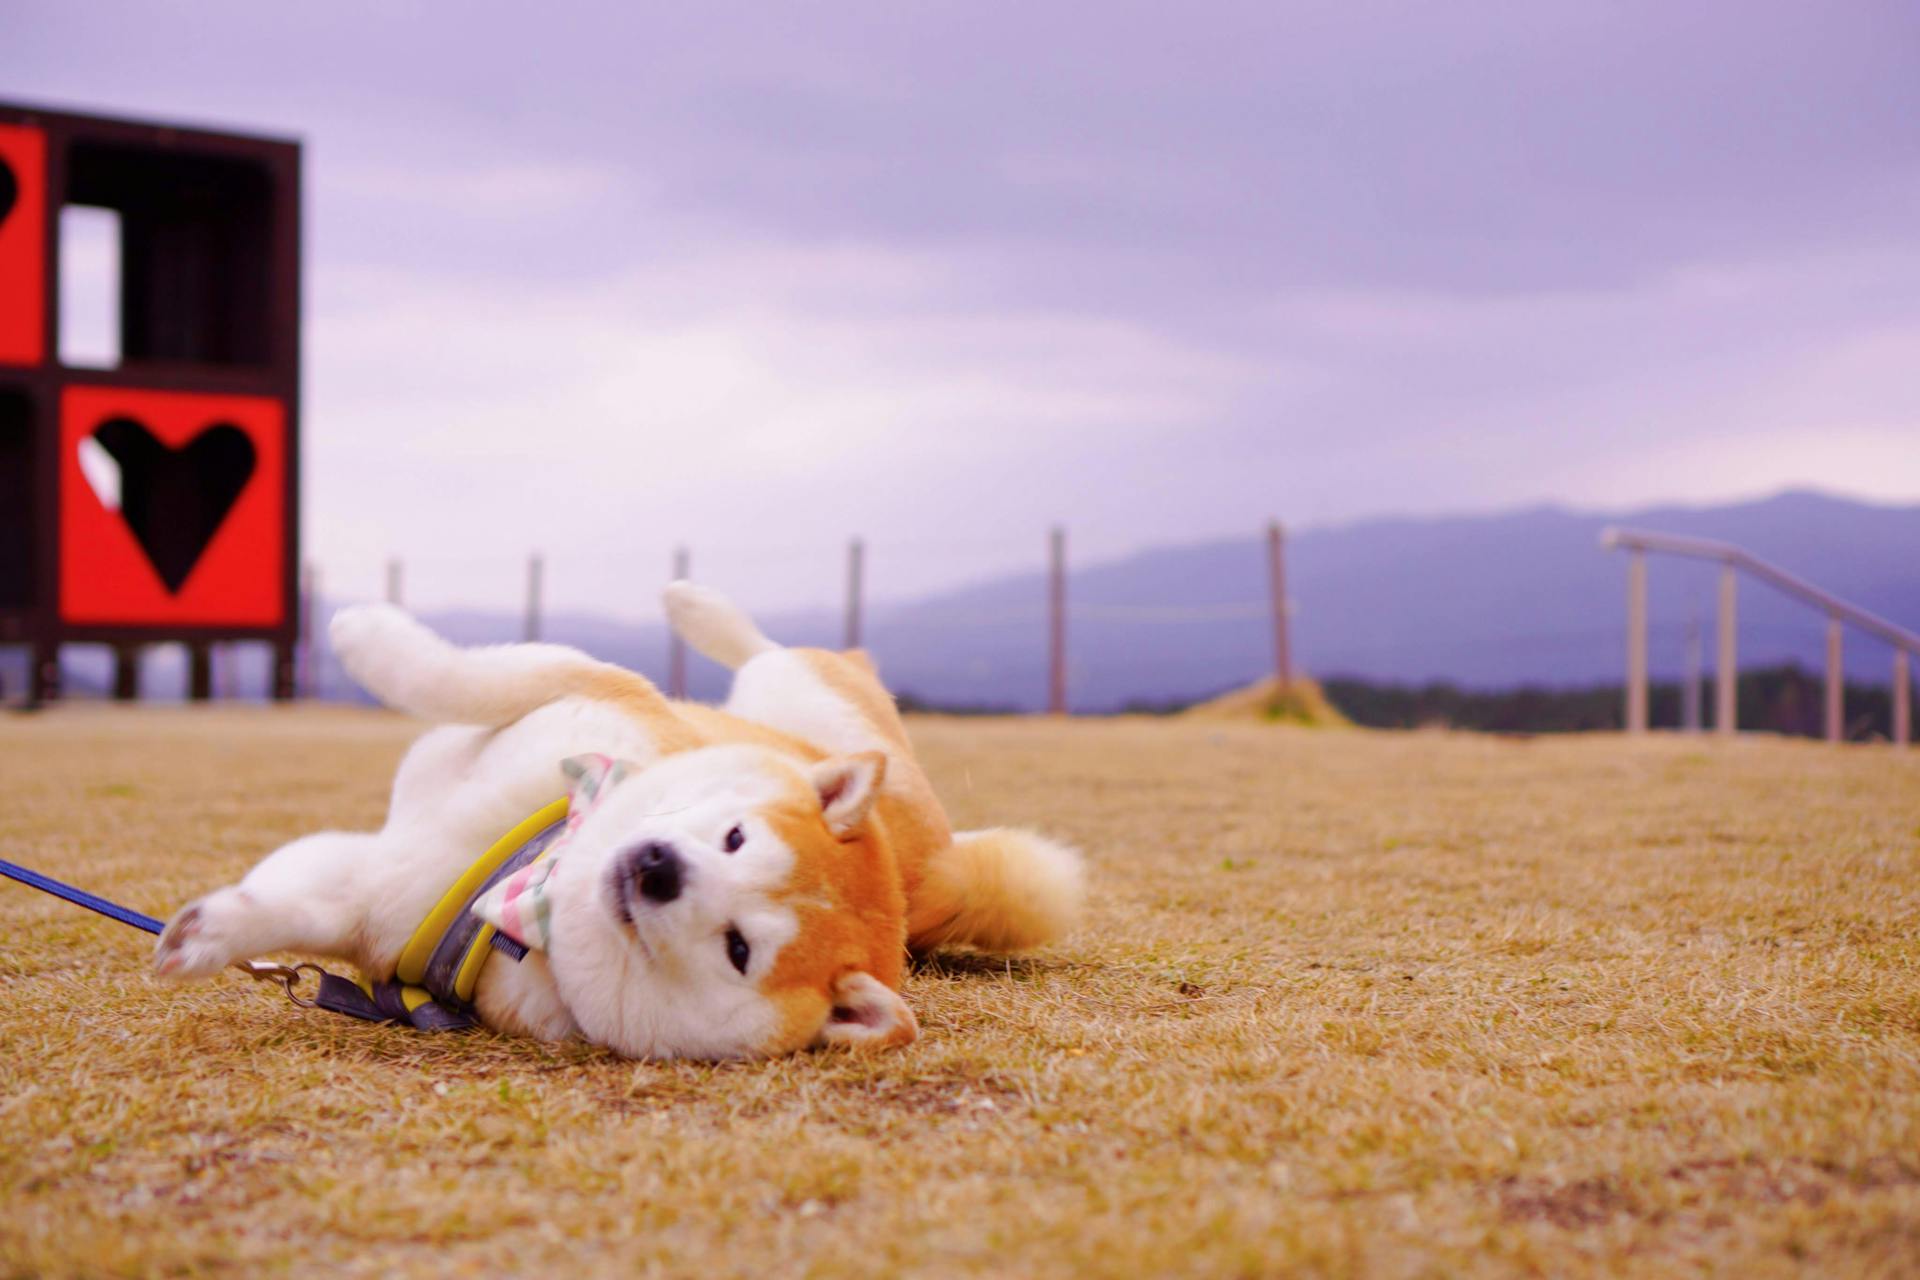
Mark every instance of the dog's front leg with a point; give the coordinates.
(302, 897)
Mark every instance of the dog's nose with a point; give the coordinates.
(659, 870)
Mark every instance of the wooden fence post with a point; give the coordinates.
(1277, 585)
(1057, 611)
(856, 569)
(1902, 698)
(1637, 641)
(1836, 682)
(309, 678)
(676, 647)
(1690, 696)
(1726, 674)
(536, 572)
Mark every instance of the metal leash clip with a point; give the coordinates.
(288, 976)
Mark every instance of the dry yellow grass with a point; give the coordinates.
(1300, 701)
(1395, 1005)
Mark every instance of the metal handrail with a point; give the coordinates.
(1772, 574)
(1732, 560)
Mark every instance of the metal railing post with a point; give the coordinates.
(1732, 560)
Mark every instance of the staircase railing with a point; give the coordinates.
(1733, 560)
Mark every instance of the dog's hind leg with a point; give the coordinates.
(715, 626)
(833, 700)
(411, 669)
(309, 896)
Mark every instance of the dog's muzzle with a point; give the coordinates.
(656, 871)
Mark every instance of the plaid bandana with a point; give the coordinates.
(521, 905)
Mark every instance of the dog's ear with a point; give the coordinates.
(847, 787)
(868, 1014)
(589, 778)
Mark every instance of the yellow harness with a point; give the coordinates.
(433, 982)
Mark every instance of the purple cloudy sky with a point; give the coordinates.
(761, 277)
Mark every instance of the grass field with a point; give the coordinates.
(1345, 1003)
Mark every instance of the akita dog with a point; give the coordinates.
(730, 882)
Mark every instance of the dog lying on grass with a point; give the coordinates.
(733, 882)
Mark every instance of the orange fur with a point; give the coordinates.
(901, 880)
(852, 915)
(846, 894)
(915, 820)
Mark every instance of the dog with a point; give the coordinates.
(735, 881)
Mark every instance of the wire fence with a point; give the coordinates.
(1097, 641)
(1052, 616)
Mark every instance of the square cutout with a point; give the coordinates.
(90, 287)
(196, 236)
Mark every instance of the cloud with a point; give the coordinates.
(769, 395)
(943, 275)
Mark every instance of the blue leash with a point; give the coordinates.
(383, 1004)
(335, 993)
(80, 897)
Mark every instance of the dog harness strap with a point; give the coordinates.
(432, 986)
(453, 904)
(343, 995)
(453, 968)
(387, 1002)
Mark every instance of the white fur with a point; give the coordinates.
(360, 896)
(780, 688)
(647, 979)
(409, 668)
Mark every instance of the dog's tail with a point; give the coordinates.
(715, 626)
(410, 668)
(1000, 890)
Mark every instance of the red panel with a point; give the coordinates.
(23, 245)
(227, 566)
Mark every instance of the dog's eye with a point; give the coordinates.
(735, 838)
(737, 950)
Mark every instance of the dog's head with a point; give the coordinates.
(726, 902)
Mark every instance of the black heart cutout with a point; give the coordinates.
(175, 499)
(9, 189)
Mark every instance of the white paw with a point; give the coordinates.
(359, 633)
(202, 939)
(712, 624)
(687, 601)
(378, 645)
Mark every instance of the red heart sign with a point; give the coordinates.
(171, 508)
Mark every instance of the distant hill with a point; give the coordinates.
(1486, 602)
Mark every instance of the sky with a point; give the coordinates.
(598, 280)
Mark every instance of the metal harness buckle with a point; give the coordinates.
(288, 976)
